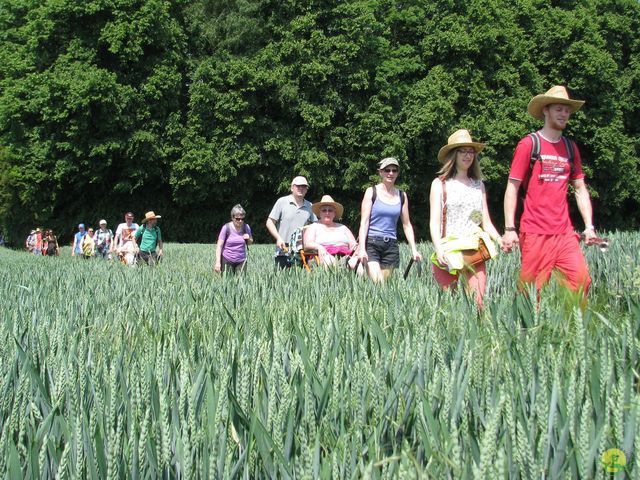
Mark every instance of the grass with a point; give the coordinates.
(174, 372)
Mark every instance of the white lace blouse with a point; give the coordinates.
(464, 207)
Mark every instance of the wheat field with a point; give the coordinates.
(113, 372)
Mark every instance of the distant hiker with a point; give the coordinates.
(89, 245)
(289, 212)
(128, 250)
(123, 230)
(149, 239)
(233, 241)
(382, 206)
(76, 248)
(103, 239)
(543, 164)
(51, 246)
(30, 242)
(459, 216)
(37, 249)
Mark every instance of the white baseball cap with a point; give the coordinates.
(299, 180)
(385, 162)
(102, 222)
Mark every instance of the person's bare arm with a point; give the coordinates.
(510, 238)
(365, 214)
(218, 265)
(487, 224)
(273, 230)
(408, 230)
(435, 219)
(583, 200)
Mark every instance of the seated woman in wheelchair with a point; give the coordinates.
(326, 237)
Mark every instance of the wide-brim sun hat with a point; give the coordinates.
(327, 200)
(300, 180)
(385, 162)
(556, 94)
(150, 216)
(459, 138)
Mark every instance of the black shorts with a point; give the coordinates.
(383, 250)
(150, 258)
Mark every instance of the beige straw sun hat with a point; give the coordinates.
(459, 138)
(150, 216)
(327, 200)
(556, 94)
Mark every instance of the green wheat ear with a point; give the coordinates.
(113, 372)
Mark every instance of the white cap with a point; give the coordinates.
(299, 180)
(385, 162)
(102, 222)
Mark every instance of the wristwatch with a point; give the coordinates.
(510, 229)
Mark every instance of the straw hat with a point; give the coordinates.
(150, 216)
(459, 138)
(328, 201)
(556, 94)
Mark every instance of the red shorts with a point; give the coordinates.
(541, 254)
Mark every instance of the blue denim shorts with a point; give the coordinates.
(383, 250)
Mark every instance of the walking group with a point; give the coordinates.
(130, 244)
(544, 164)
(42, 244)
(464, 238)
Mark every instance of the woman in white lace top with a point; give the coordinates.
(466, 212)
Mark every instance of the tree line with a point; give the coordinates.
(187, 107)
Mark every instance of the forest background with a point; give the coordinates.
(188, 107)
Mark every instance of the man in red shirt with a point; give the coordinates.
(547, 238)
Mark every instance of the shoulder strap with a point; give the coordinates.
(568, 144)
(444, 206)
(374, 194)
(402, 199)
(226, 235)
(535, 150)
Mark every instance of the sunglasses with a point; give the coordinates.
(390, 170)
(327, 210)
(467, 152)
(239, 219)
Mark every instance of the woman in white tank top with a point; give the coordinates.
(466, 209)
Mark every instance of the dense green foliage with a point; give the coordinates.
(190, 106)
(174, 372)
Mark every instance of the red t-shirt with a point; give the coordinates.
(546, 210)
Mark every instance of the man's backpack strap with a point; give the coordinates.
(568, 144)
(535, 150)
